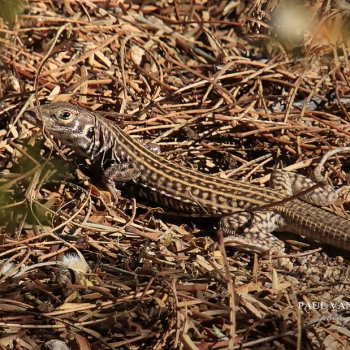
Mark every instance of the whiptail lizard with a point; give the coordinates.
(193, 192)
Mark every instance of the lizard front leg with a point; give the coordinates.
(123, 172)
(119, 173)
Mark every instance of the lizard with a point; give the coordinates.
(124, 159)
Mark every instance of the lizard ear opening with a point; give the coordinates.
(90, 133)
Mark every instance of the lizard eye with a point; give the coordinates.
(90, 133)
(65, 115)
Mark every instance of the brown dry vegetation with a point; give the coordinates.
(233, 88)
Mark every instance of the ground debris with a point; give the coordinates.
(231, 88)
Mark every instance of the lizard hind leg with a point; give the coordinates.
(252, 231)
(292, 183)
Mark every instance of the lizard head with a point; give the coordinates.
(74, 126)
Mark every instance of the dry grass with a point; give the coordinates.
(230, 88)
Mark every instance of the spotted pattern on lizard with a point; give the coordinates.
(186, 190)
